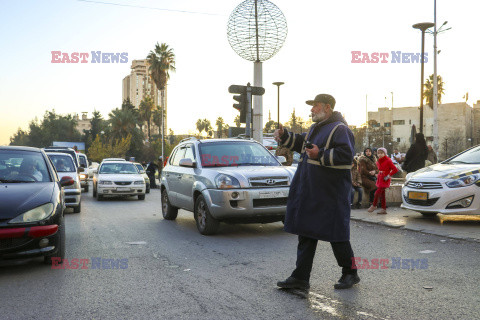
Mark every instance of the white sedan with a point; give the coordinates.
(450, 187)
(118, 178)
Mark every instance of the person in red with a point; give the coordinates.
(386, 170)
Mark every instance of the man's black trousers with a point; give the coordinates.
(306, 252)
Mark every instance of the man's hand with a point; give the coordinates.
(278, 133)
(313, 152)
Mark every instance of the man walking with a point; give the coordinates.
(318, 206)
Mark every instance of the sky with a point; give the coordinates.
(315, 58)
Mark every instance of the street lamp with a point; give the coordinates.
(435, 84)
(422, 27)
(278, 84)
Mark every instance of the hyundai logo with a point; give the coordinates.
(270, 181)
(417, 185)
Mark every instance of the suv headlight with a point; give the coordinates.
(105, 182)
(408, 176)
(224, 181)
(83, 176)
(139, 182)
(463, 181)
(36, 214)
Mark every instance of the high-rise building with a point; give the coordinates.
(138, 84)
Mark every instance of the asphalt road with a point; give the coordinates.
(173, 272)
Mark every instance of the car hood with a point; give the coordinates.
(446, 171)
(247, 172)
(120, 177)
(17, 198)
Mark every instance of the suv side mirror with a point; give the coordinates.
(282, 159)
(187, 162)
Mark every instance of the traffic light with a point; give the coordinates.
(241, 106)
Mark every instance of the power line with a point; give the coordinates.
(143, 7)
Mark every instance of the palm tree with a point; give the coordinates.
(145, 112)
(157, 116)
(123, 122)
(220, 124)
(428, 92)
(161, 60)
(200, 126)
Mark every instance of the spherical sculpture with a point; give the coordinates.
(242, 30)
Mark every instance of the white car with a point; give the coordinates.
(118, 178)
(65, 167)
(451, 187)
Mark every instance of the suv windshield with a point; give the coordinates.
(22, 166)
(118, 168)
(227, 154)
(470, 157)
(63, 163)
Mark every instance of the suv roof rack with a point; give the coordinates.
(54, 147)
(189, 138)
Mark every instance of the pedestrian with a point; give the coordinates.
(396, 157)
(386, 169)
(367, 165)
(416, 154)
(318, 205)
(287, 153)
(151, 169)
(356, 186)
(432, 156)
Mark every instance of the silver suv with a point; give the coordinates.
(225, 180)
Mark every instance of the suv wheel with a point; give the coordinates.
(206, 224)
(168, 211)
(94, 191)
(99, 196)
(78, 208)
(86, 188)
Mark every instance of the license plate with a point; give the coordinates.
(272, 194)
(123, 189)
(418, 195)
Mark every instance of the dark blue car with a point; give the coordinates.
(31, 205)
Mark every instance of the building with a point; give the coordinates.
(137, 85)
(458, 125)
(83, 123)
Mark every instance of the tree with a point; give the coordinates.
(270, 126)
(220, 124)
(237, 121)
(295, 123)
(117, 148)
(204, 125)
(145, 113)
(428, 90)
(161, 60)
(97, 125)
(123, 122)
(20, 138)
(157, 117)
(200, 126)
(53, 127)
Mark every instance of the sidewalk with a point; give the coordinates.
(455, 227)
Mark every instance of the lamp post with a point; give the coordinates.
(422, 27)
(278, 84)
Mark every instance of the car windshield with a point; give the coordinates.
(469, 157)
(140, 168)
(23, 166)
(118, 168)
(227, 154)
(63, 163)
(83, 161)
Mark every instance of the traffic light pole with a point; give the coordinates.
(248, 124)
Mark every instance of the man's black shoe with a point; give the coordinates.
(347, 281)
(292, 283)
